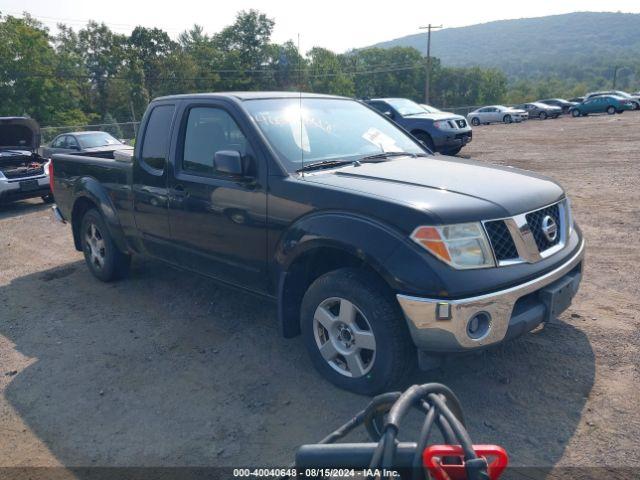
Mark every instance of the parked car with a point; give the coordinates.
(440, 131)
(565, 105)
(23, 173)
(635, 99)
(540, 110)
(375, 251)
(576, 100)
(496, 113)
(99, 144)
(602, 104)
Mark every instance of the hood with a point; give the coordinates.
(435, 116)
(19, 133)
(454, 190)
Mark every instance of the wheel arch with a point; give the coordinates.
(88, 194)
(322, 243)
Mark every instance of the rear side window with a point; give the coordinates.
(155, 147)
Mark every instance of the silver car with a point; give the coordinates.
(495, 114)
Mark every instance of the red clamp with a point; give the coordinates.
(496, 457)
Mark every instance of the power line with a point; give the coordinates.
(82, 22)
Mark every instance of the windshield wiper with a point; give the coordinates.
(325, 164)
(391, 154)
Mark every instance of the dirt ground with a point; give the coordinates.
(168, 369)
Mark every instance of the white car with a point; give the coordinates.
(496, 113)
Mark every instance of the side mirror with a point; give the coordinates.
(228, 161)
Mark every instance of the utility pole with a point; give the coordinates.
(427, 79)
(615, 76)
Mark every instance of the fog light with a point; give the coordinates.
(478, 325)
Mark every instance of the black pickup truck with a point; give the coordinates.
(377, 252)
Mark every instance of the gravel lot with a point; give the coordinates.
(168, 369)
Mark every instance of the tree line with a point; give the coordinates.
(95, 75)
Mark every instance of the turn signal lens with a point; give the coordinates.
(462, 246)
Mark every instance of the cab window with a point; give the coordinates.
(155, 146)
(210, 130)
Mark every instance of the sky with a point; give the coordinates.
(335, 24)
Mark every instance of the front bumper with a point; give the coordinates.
(508, 313)
(31, 187)
(452, 139)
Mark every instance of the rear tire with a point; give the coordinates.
(48, 198)
(611, 110)
(352, 305)
(105, 261)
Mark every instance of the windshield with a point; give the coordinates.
(429, 108)
(98, 139)
(404, 106)
(311, 130)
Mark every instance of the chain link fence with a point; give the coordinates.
(126, 131)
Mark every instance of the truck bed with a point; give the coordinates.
(113, 177)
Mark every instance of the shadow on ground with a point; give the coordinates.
(167, 369)
(15, 209)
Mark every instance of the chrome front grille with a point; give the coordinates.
(522, 238)
(535, 220)
(501, 241)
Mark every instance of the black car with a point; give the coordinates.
(540, 110)
(93, 143)
(23, 172)
(440, 132)
(565, 105)
(377, 252)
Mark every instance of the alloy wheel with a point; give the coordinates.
(94, 246)
(344, 337)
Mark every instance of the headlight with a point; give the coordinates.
(443, 125)
(462, 246)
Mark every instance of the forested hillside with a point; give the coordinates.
(582, 47)
(94, 75)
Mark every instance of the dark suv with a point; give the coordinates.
(441, 132)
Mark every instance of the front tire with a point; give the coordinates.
(426, 139)
(355, 333)
(453, 151)
(543, 115)
(105, 261)
(475, 121)
(507, 119)
(611, 110)
(47, 198)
